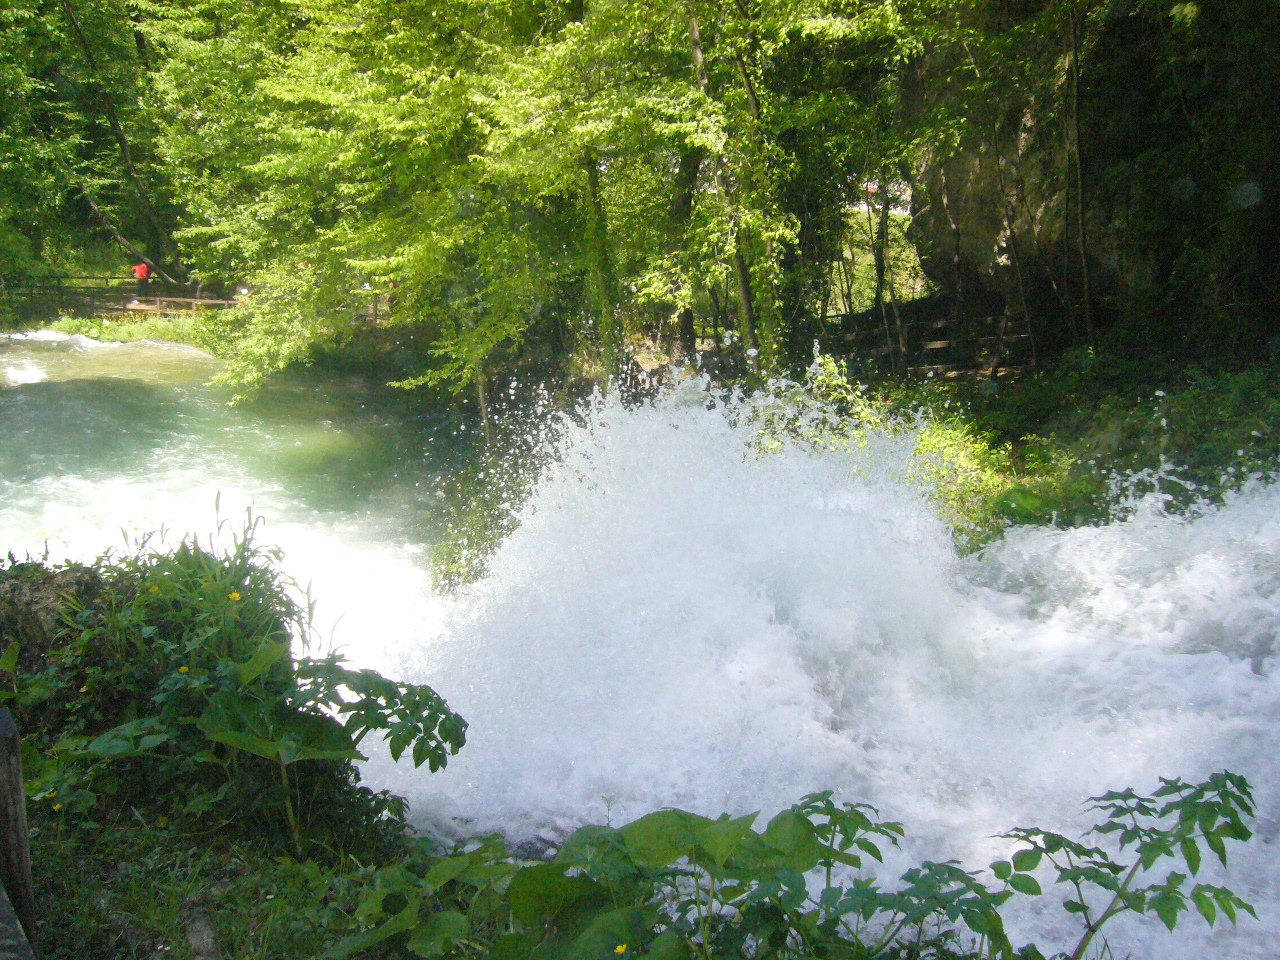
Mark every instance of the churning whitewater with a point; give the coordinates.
(680, 620)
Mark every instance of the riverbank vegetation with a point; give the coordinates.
(192, 793)
(576, 193)
(554, 188)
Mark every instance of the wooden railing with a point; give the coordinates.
(97, 295)
(950, 347)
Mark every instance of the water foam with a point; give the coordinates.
(680, 620)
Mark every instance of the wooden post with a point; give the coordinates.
(15, 851)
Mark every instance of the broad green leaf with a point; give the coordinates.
(1024, 861)
(661, 838)
(436, 936)
(1025, 884)
(668, 946)
(538, 893)
(794, 841)
(269, 653)
(722, 838)
(606, 932)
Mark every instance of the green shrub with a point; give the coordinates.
(678, 886)
(165, 684)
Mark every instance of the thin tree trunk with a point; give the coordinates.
(1073, 154)
(890, 284)
(603, 286)
(897, 355)
(742, 273)
(686, 187)
(117, 130)
(120, 238)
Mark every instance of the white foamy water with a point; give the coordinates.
(101, 444)
(680, 621)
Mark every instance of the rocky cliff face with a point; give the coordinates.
(1137, 188)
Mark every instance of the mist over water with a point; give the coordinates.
(680, 620)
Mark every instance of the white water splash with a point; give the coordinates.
(679, 621)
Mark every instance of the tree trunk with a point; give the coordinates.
(1072, 120)
(686, 187)
(602, 285)
(122, 142)
(742, 273)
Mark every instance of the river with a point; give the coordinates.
(680, 621)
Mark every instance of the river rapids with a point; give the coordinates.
(681, 620)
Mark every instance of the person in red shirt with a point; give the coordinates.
(143, 272)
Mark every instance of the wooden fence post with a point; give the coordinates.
(15, 850)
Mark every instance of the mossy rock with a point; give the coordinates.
(34, 599)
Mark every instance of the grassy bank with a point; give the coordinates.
(189, 328)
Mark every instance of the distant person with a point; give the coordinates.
(143, 272)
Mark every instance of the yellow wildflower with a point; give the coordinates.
(57, 806)
(620, 949)
(154, 590)
(233, 596)
(184, 669)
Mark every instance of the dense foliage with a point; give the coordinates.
(162, 683)
(543, 182)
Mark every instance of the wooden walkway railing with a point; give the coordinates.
(952, 347)
(99, 295)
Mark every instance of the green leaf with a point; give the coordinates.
(1003, 869)
(309, 736)
(1191, 853)
(439, 933)
(9, 661)
(794, 841)
(722, 838)
(269, 653)
(1217, 846)
(539, 892)
(668, 946)
(1203, 900)
(607, 932)
(443, 871)
(1025, 884)
(661, 838)
(1027, 860)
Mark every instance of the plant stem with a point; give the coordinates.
(1114, 907)
(294, 831)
